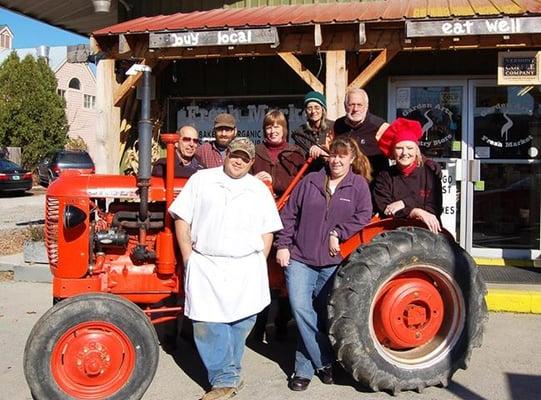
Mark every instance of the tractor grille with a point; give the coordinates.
(51, 230)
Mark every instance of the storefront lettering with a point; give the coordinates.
(505, 144)
(185, 39)
(249, 118)
(234, 37)
(428, 127)
(464, 27)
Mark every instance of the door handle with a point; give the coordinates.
(474, 168)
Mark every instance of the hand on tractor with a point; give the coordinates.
(316, 151)
(264, 176)
(394, 207)
(282, 257)
(428, 218)
(334, 245)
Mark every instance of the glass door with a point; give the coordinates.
(503, 194)
(439, 105)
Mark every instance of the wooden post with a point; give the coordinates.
(335, 82)
(107, 155)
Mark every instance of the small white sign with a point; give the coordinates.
(403, 96)
(482, 152)
(449, 199)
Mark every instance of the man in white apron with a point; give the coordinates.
(224, 223)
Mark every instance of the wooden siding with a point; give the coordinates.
(82, 121)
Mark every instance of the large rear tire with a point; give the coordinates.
(406, 311)
(93, 346)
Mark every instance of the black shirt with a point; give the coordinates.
(365, 135)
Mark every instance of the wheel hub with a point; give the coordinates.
(408, 312)
(92, 360)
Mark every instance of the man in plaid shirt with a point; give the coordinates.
(211, 154)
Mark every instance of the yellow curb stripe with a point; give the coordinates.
(505, 262)
(521, 301)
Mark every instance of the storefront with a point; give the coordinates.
(443, 73)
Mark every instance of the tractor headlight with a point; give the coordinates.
(73, 216)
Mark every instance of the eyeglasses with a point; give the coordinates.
(189, 139)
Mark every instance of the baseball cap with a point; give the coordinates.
(242, 144)
(225, 120)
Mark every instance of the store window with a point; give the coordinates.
(439, 110)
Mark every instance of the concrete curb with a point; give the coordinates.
(514, 298)
(25, 272)
(500, 297)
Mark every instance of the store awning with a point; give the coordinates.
(324, 14)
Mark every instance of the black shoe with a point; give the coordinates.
(325, 375)
(281, 334)
(298, 384)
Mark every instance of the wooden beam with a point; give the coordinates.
(305, 74)
(335, 82)
(108, 119)
(130, 84)
(373, 68)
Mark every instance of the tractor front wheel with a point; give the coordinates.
(93, 346)
(406, 311)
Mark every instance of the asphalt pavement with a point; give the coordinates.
(507, 367)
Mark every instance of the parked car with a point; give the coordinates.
(13, 177)
(50, 169)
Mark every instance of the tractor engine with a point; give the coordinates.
(94, 243)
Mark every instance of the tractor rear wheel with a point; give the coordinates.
(93, 346)
(406, 311)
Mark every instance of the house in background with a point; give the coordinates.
(76, 84)
(6, 37)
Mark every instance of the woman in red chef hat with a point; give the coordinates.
(412, 187)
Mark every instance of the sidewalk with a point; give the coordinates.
(510, 290)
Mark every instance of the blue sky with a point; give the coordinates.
(31, 33)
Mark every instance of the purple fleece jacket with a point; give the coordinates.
(308, 219)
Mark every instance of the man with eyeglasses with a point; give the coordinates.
(365, 127)
(211, 154)
(224, 224)
(185, 163)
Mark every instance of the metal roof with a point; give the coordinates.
(335, 13)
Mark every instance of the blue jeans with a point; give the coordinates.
(308, 289)
(221, 347)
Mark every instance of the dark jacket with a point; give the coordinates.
(288, 163)
(305, 137)
(365, 135)
(420, 189)
(181, 170)
(308, 217)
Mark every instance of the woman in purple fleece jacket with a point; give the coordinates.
(327, 207)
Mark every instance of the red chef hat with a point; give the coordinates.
(399, 130)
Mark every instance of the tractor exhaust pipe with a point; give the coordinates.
(140, 253)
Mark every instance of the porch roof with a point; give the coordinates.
(325, 14)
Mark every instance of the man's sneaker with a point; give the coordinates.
(220, 393)
(325, 375)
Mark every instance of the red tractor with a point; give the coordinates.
(406, 310)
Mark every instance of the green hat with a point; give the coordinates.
(317, 97)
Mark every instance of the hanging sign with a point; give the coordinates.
(519, 68)
(230, 37)
(468, 27)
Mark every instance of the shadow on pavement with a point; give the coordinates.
(524, 387)
(12, 194)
